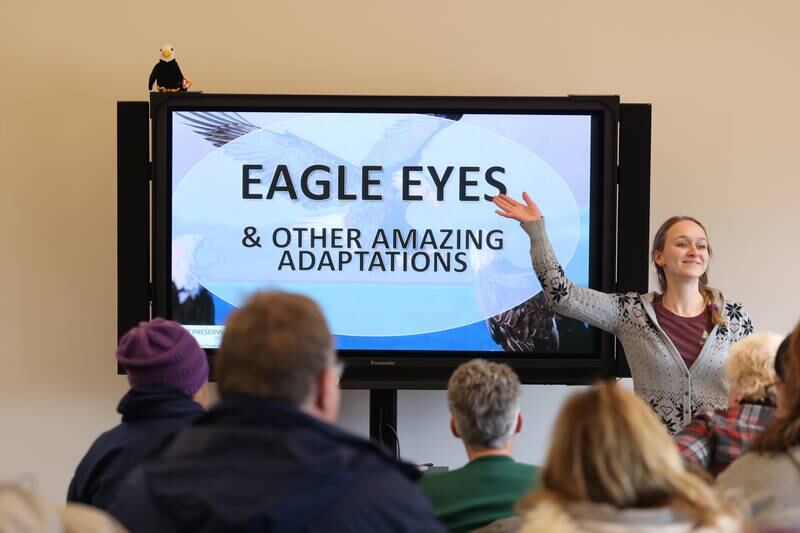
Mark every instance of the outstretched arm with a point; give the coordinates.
(522, 213)
(588, 305)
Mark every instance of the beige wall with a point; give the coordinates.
(722, 76)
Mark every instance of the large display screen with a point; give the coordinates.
(385, 219)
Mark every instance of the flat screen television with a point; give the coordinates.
(379, 208)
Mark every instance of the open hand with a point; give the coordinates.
(510, 208)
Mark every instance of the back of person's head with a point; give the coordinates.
(22, 510)
(784, 432)
(750, 368)
(275, 346)
(608, 447)
(484, 402)
(780, 375)
(163, 352)
(780, 358)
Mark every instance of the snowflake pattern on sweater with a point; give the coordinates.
(659, 373)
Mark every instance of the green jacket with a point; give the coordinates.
(484, 490)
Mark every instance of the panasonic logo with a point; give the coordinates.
(381, 363)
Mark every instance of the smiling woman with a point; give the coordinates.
(676, 340)
(681, 253)
(687, 309)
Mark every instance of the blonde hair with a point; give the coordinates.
(711, 297)
(608, 447)
(23, 510)
(750, 367)
(784, 432)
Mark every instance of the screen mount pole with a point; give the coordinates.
(383, 419)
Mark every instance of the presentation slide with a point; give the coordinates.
(385, 219)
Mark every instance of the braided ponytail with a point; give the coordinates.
(712, 299)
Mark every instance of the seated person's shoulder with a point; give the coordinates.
(384, 498)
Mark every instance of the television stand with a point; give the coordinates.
(383, 418)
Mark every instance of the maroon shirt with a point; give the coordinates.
(688, 334)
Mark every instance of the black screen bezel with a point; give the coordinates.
(428, 369)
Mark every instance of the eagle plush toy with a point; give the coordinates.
(167, 74)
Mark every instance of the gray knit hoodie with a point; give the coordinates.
(659, 373)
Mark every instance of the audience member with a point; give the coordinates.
(780, 375)
(22, 510)
(714, 439)
(484, 404)
(168, 374)
(765, 481)
(267, 457)
(612, 467)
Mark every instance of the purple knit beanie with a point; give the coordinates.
(162, 351)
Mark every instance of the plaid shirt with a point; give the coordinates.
(714, 439)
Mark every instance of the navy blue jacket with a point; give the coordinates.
(150, 416)
(259, 465)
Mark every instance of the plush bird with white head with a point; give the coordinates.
(167, 74)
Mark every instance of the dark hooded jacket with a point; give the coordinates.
(258, 465)
(150, 415)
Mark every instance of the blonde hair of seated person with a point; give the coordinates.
(608, 447)
(750, 369)
(784, 432)
(23, 510)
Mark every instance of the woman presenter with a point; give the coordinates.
(676, 340)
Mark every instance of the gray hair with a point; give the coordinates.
(484, 401)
